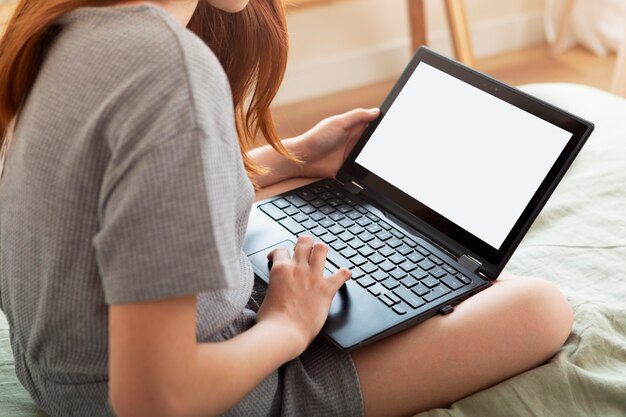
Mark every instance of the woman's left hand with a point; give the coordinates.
(326, 146)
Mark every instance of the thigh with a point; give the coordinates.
(516, 324)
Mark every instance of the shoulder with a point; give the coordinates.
(141, 59)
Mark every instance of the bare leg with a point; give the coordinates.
(511, 327)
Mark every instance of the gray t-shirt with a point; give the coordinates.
(125, 183)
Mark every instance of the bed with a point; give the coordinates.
(578, 242)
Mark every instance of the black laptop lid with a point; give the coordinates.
(471, 159)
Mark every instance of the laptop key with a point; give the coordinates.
(317, 190)
(376, 258)
(430, 282)
(465, 280)
(348, 253)
(404, 250)
(295, 200)
(326, 223)
(407, 266)
(300, 217)
(281, 203)
(358, 260)
(419, 274)
(292, 225)
(317, 216)
(327, 210)
(452, 282)
(346, 236)
(397, 259)
(415, 257)
(336, 230)
(306, 195)
(410, 242)
(345, 223)
(273, 211)
(338, 245)
(336, 216)
(369, 267)
(394, 243)
(398, 274)
(397, 233)
(387, 266)
(344, 209)
(449, 269)
(437, 272)
(422, 251)
(317, 203)
(308, 209)
(309, 224)
(366, 281)
(366, 236)
(363, 221)
(393, 297)
(372, 217)
(380, 276)
(376, 244)
(436, 293)
(366, 251)
(409, 297)
(357, 273)
(290, 211)
(384, 235)
(318, 231)
(354, 215)
(420, 289)
(328, 238)
(388, 301)
(408, 282)
(355, 230)
(399, 309)
(337, 259)
(426, 265)
(373, 228)
(386, 251)
(376, 289)
(361, 210)
(384, 225)
(356, 243)
(390, 283)
(326, 196)
(435, 260)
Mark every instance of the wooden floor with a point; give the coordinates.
(520, 67)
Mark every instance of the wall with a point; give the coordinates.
(358, 42)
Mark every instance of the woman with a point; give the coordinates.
(123, 205)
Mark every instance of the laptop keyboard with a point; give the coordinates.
(391, 266)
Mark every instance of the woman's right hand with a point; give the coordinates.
(298, 297)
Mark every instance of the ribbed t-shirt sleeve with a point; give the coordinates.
(168, 221)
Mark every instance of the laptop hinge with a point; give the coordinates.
(470, 263)
(353, 187)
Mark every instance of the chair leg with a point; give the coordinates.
(461, 40)
(417, 21)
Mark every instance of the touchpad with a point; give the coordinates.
(262, 265)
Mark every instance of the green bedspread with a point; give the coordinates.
(579, 243)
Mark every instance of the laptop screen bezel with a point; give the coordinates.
(437, 227)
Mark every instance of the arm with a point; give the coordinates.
(157, 368)
(322, 149)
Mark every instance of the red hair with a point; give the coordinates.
(251, 46)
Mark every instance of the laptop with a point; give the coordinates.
(431, 203)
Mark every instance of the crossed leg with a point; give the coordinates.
(513, 326)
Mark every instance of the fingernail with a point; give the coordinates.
(374, 110)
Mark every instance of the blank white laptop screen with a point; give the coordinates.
(471, 157)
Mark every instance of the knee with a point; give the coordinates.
(547, 313)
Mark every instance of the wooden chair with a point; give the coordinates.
(417, 18)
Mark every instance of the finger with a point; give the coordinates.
(339, 278)
(357, 116)
(278, 255)
(302, 251)
(318, 257)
